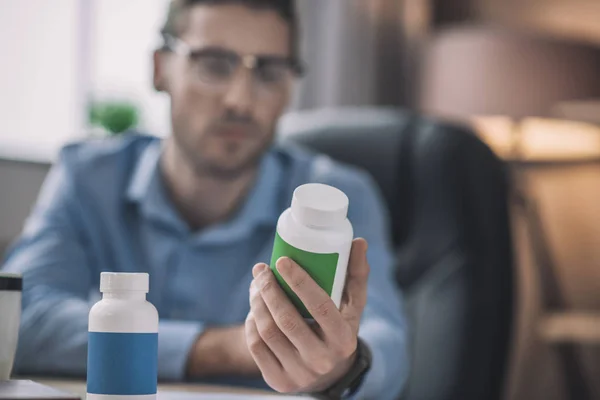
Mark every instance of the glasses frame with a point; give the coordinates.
(248, 61)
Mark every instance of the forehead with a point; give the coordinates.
(238, 28)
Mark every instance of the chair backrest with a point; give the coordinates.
(447, 194)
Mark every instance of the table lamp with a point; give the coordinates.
(478, 70)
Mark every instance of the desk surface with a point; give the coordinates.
(79, 388)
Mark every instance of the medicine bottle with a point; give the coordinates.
(122, 340)
(316, 233)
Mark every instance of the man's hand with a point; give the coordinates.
(293, 355)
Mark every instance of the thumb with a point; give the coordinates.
(355, 292)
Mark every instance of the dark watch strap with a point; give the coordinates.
(350, 382)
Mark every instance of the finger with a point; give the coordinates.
(258, 268)
(269, 365)
(355, 291)
(275, 339)
(290, 322)
(315, 299)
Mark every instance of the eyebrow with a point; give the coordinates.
(222, 49)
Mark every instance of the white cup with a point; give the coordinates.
(10, 316)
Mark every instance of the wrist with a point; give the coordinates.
(344, 370)
(220, 351)
(349, 383)
(241, 356)
(197, 360)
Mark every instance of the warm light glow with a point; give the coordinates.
(496, 132)
(539, 139)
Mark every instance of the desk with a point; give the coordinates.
(79, 388)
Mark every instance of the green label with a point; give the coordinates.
(321, 267)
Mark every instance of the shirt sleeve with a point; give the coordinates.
(383, 325)
(54, 257)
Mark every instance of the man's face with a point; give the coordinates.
(224, 127)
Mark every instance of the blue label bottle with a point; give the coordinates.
(123, 340)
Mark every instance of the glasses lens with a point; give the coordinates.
(272, 74)
(215, 68)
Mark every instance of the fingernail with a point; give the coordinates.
(258, 268)
(366, 244)
(284, 264)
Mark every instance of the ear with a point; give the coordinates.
(159, 78)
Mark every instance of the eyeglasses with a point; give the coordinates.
(217, 66)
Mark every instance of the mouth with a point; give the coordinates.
(235, 132)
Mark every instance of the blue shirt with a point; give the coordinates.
(104, 207)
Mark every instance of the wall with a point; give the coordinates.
(124, 35)
(575, 19)
(41, 76)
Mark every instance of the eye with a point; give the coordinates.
(271, 73)
(214, 66)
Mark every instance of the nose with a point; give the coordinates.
(239, 97)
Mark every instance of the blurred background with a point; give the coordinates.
(523, 74)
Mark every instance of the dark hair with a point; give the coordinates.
(175, 24)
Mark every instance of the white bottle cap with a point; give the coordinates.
(319, 205)
(117, 281)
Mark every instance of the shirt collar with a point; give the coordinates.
(146, 188)
(144, 171)
(261, 207)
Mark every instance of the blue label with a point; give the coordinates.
(122, 363)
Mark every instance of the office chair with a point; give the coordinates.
(447, 196)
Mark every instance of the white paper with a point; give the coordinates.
(224, 396)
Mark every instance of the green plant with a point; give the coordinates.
(115, 116)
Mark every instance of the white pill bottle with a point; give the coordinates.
(316, 233)
(123, 340)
